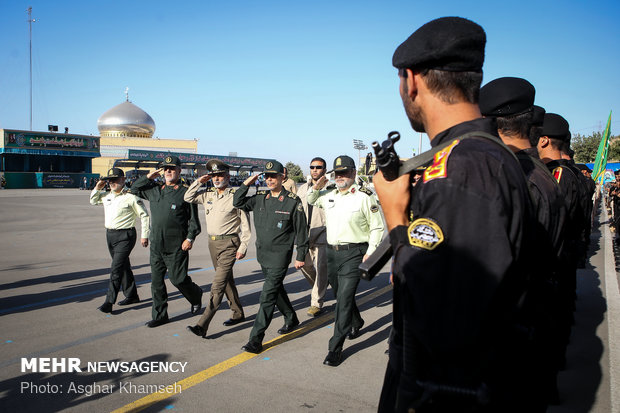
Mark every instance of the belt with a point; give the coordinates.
(219, 237)
(122, 229)
(344, 247)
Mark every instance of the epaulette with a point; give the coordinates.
(232, 190)
(292, 195)
(330, 187)
(185, 186)
(261, 192)
(366, 191)
(210, 189)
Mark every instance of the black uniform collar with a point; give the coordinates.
(533, 152)
(487, 125)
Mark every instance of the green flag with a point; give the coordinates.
(600, 163)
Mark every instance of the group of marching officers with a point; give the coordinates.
(486, 242)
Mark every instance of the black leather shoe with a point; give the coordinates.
(253, 347)
(196, 307)
(355, 332)
(157, 323)
(233, 321)
(333, 358)
(199, 331)
(128, 301)
(105, 308)
(288, 328)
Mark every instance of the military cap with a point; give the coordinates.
(170, 160)
(273, 167)
(344, 163)
(583, 167)
(452, 44)
(215, 166)
(554, 126)
(539, 116)
(114, 173)
(506, 96)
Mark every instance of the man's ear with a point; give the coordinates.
(412, 83)
(544, 141)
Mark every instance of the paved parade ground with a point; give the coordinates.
(54, 271)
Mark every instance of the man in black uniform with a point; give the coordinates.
(175, 226)
(280, 223)
(459, 263)
(510, 101)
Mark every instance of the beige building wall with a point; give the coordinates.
(113, 148)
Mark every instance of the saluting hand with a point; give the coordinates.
(320, 184)
(155, 173)
(250, 180)
(100, 185)
(203, 179)
(298, 264)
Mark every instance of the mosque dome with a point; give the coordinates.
(126, 120)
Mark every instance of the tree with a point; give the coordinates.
(585, 147)
(294, 172)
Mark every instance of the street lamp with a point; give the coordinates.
(359, 145)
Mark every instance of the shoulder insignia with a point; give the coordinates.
(374, 208)
(439, 167)
(232, 190)
(281, 198)
(261, 192)
(210, 189)
(425, 233)
(300, 208)
(352, 190)
(557, 173)
(366, 191)
(292, 195)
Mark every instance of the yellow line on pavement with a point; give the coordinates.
(206, 374)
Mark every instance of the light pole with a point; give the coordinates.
(359, 145)
(30, 21)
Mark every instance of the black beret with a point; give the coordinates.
(506, 96)
(554, 126)
(452, 44)
(539, 116)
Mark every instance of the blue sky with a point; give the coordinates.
(288, 80)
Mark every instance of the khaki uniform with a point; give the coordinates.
(229, 233)
(290, 185)
(354, 228)
(315, 268)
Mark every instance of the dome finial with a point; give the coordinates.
(127, 93)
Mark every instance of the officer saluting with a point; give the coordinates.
(354, 230)
(175, 226)
(229, 235)
(121, 211)
(280, 222)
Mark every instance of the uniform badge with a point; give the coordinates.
(374, 208)
(557, 173)
(338, 162)
(168, 159)
(425, 233)
(300, 208)
(439, 167)
(281, 198)
(269, 165)
(352, 190)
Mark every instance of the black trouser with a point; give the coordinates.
(120, 244)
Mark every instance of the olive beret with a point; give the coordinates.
(452, 44)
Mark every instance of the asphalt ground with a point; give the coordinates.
(54, 271)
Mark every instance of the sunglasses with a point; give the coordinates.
(273, 176)
(316, 167)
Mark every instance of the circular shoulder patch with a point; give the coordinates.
(425, 233)
(374, 208)
(299, 207)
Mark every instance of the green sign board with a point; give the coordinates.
(50, 141)
(234, 161)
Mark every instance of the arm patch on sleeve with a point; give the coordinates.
(557, 173)
(439, 167)
(425, 233)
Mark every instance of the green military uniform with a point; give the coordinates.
(172, 221)
(280, 222)
(354, 229)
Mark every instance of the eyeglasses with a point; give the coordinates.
(316, 167)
